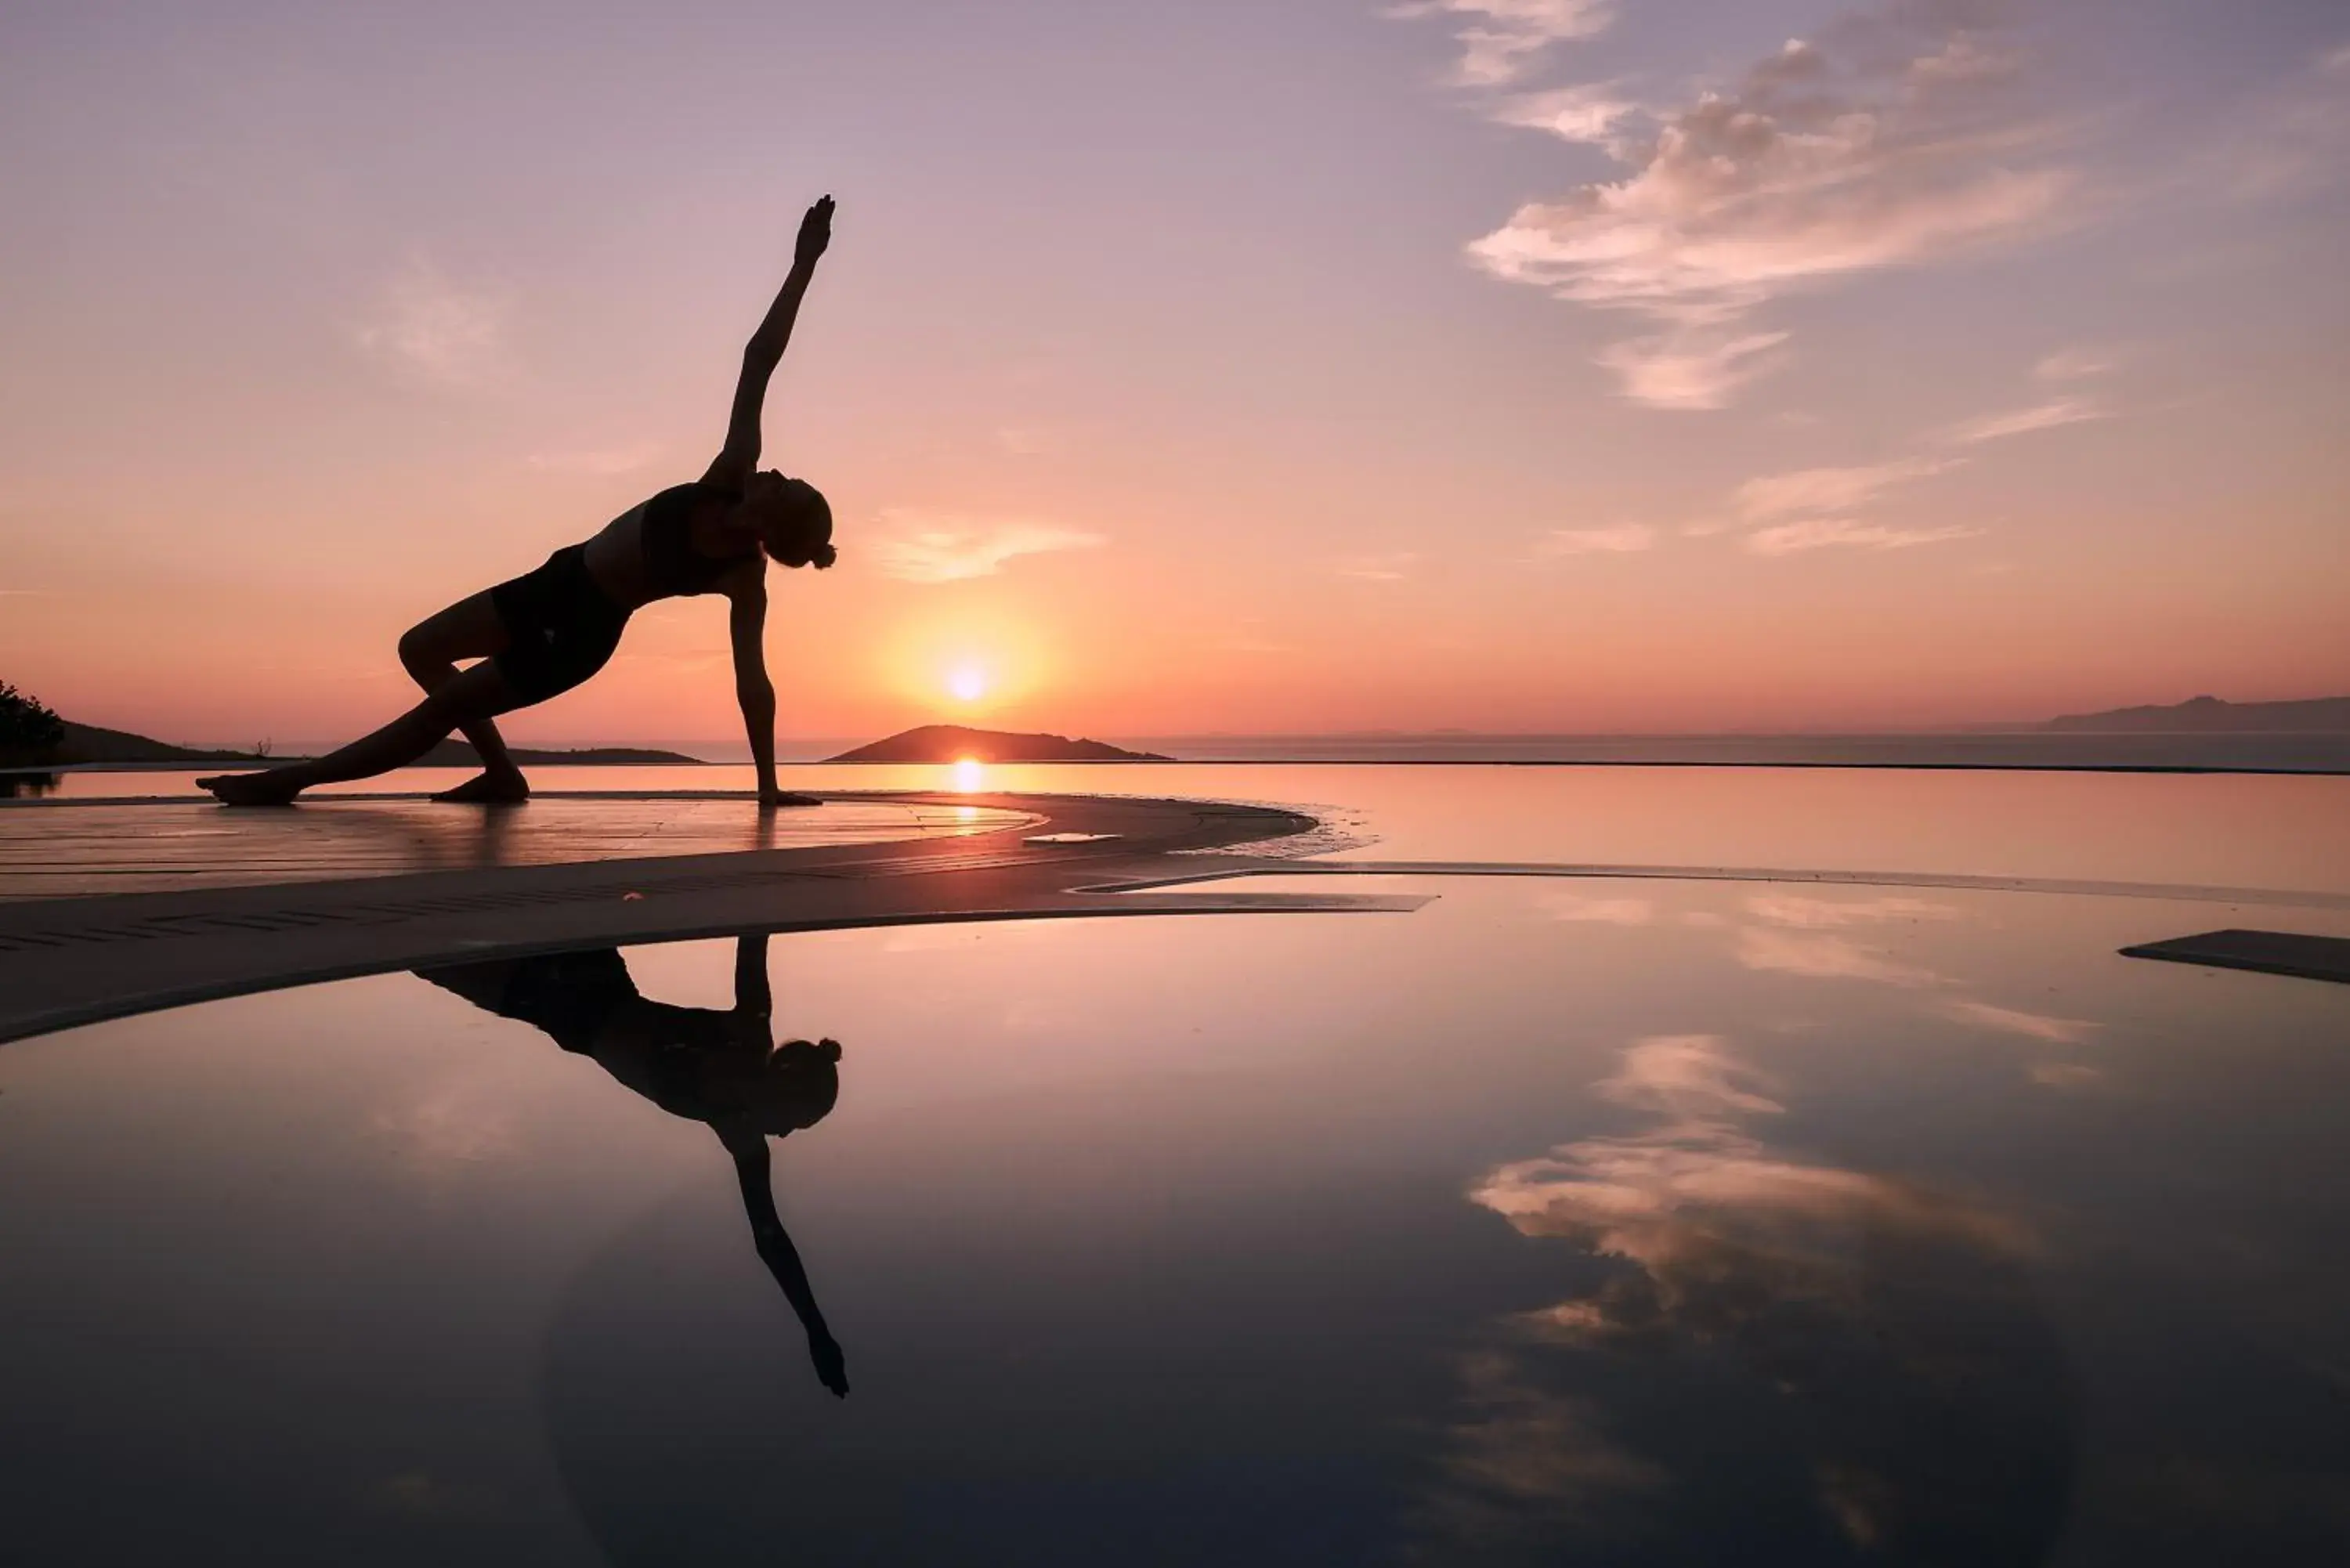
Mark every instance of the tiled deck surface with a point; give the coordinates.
(70, 849)
(75, 960)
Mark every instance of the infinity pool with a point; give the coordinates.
(1593, 1220)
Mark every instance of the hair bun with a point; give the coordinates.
(823, 556)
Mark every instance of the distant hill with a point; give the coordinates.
(453, 753)
(954, 743)
(89, 743)
(2208, 716)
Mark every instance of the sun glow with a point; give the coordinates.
(967, 683)
(970, 775)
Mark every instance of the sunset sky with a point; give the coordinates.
(1290, 365)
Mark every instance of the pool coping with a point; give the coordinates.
(75, 961)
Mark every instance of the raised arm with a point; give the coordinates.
(765, 351)
(783, 1260)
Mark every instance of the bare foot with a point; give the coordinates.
(786, 797)
(251, 789)
(489, 789)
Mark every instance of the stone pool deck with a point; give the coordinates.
(72, 961)
(74, 848)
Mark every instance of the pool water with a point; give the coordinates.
(1594, 1221)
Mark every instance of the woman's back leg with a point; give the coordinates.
(470, 698)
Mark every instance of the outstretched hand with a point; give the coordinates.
(816, 233)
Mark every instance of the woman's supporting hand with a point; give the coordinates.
(831, 1365)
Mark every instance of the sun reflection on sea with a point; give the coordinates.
(969, 775)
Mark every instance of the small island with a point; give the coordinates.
(958, 743)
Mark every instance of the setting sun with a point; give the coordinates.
(967, 683)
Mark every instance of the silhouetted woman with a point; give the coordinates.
(708, 1067)
(542, 634)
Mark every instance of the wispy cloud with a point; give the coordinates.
(1505, 38)
(1618, 538)
(1777, 946)
(922, 548)
(1524, 1461)
(1823, 508)
(1718, 1244)
(1393, 567)
(1815, 508)
(1689, 369)
(1592, 113)
(1896, 139)
(1830, 489)
(1823, 958)
(1807, 913)
(1582, 909)
(2295, 139)
(425, 325)
(1689, 1079)
(1848, 533)
(2014, 1020)
(2045, 416)
(2074, 364)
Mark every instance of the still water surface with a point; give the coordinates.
(1608, 1221)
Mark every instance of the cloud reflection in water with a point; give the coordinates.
(1780, 1356)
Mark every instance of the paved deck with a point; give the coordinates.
(69, 849)
(67, 961)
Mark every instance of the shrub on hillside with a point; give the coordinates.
(29, 730)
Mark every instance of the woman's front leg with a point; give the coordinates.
(429, 651)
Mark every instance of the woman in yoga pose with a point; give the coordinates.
(543, 633)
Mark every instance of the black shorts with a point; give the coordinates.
(560, 626)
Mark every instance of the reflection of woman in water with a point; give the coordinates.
(543, 633)
(717, 1068)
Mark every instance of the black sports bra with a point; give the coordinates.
(672, 566)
